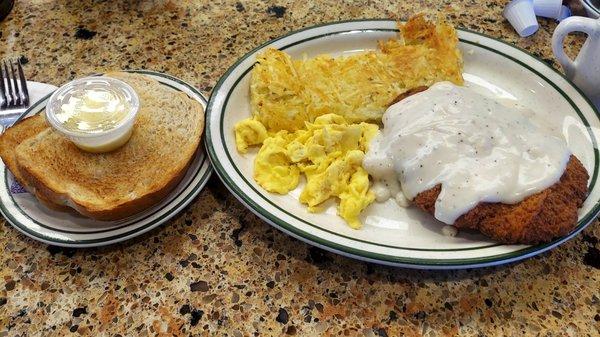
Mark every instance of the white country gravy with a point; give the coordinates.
(477, 149)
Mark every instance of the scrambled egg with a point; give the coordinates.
(249, 132)
(329, 152)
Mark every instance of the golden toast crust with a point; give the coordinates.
(9, 141)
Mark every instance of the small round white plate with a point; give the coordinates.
(25, 213)
(392, 235)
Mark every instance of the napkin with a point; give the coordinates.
(37, 91)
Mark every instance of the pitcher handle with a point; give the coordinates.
(567, 26)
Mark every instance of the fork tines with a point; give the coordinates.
(13, 85)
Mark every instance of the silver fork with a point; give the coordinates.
(13, 85)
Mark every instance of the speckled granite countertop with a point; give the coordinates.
(216, 269)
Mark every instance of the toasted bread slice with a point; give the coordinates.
(9, 141)
(123, 182)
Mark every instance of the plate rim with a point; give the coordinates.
(369, 255)
(205, 169)
(592, 6)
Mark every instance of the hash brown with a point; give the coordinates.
(285, 93)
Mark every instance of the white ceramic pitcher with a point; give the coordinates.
(585, 70)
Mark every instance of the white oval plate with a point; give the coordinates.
(25, 213)
(392, 235)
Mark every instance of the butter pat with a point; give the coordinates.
(96, 113)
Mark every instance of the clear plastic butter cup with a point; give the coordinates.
(521, 16)
(96, 113)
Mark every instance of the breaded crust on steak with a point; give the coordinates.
(407, 93)
(538, 218)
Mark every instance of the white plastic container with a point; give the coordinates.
(547, 8)
(565, 12)
(521, 16)
(97, 113)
